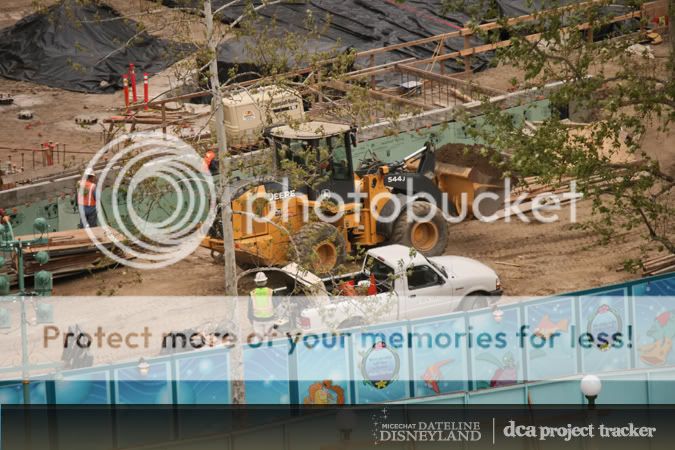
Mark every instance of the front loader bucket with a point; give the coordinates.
(458, 181)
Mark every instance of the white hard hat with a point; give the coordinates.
(89, 172)
(260, 277)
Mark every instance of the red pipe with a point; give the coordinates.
(125, 82)
(146, 90)
(132, 73)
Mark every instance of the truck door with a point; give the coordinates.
(427, 292)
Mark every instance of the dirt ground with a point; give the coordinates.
(658, 145)
(531, 259)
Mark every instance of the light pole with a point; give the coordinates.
(591, 387)
(143, 367)
(43, 285)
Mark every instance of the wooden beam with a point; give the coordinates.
(501, 44)
(467, 59)
(470, 31)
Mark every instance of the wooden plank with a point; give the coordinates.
(469, 31)
(501, 44)
(71, 239)
(662, 271)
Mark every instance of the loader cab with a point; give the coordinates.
(320, 147)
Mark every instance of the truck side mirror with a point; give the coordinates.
(352, 138)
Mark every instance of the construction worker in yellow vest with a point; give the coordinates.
(261, 306)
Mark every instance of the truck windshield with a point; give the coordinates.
(384, 275)
(438, 267)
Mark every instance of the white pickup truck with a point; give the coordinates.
(396, 283)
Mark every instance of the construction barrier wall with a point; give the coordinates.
(642, 310)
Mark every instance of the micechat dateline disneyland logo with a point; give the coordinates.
(429, 432)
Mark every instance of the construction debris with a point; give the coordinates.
(25, 115)
(86, 120)
(6, 99)
(69, 252)
(640, 50)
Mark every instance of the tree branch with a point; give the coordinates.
(670, 246)
(225, 6)
(256, 9)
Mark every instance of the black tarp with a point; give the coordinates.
(515, 8)
(357, 24)
(74, 45)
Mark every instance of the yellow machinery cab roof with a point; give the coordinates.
(309, 130)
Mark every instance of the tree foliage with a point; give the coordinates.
(622, 89)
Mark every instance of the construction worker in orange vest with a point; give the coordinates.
(86, 197)
(211, 162)
(6, 225)
(261, 306)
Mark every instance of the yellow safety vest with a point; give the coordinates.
(262, 303)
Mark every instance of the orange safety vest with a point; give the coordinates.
(85, 195)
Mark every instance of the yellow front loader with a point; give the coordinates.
(379, 200)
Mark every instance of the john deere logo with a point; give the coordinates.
(605, 320)
(380, 366)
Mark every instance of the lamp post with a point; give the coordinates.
(143, 367)
(591, 387)
(43, 284)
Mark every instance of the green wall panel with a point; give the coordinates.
(557, 393)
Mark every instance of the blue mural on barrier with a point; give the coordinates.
(203, 378)
(154, 388)
(12, 393)
(267, 374)
(550, 330)
(325, 375)
(654, 322)
(389, 363)
(380, 365)
(439, 359)
(603, 314)
(83, 388)
(496, 359)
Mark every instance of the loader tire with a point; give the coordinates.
(320, 247)
(429, 237)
